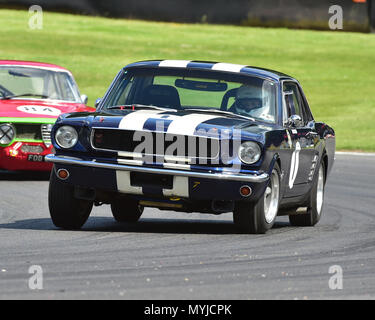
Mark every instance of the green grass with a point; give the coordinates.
(336, 69)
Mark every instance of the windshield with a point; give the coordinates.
(207, 91)
(28, 82)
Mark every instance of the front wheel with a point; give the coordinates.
(315, 203)
(66, 211)
(258, 218)
(126, 210)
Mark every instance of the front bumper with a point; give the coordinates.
(194, 185)
(12, 158)
(255, 178)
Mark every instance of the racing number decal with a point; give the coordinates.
(294, 165)
(49, 111)
(196, 184)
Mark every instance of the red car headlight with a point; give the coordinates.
(7, 133)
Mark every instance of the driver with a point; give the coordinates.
(249, 101)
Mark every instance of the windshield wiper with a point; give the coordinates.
(3, 91)
(139, 106)
(24, 95)
(228, 113)
(18, 74)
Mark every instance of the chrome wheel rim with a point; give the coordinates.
(320, 190)
(271, 198)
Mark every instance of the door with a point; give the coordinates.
(304, 140)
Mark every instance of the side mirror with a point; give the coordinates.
(84, 99)
(97, 101)
(295, 120)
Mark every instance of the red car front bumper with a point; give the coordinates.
(16, 157)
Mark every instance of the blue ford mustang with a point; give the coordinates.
(194, 137)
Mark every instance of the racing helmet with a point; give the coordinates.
(248, 98)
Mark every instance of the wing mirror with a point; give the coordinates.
(97, 101)
(84, 99)
(295, 121)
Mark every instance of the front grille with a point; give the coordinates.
(46, 134)
(31, 131)
(161, 144)
(25, 131)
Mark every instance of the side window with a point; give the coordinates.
(306, 109)
(293, 102)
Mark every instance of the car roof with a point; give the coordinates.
(33, 64)
(209, 65)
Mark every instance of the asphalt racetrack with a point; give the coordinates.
(181, 256)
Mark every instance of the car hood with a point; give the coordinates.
(177, 123)
(17, 108)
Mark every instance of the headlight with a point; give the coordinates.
(249, 152)
(7, 133)
(66, 137)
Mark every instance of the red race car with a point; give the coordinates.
(32, 96)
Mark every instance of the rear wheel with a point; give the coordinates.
(66, 211)
(126, 210)
(315, 203)
(260, 217)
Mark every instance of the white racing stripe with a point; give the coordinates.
(123, 183)
(228, 67)
(180, 188)
(130, 162)
(174, 63)
(186, 125)
(137, 119)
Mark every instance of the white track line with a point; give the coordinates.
(361, 154)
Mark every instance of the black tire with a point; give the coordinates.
(126, 210)
(66, 211)
(314, 213)
(251, 217)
